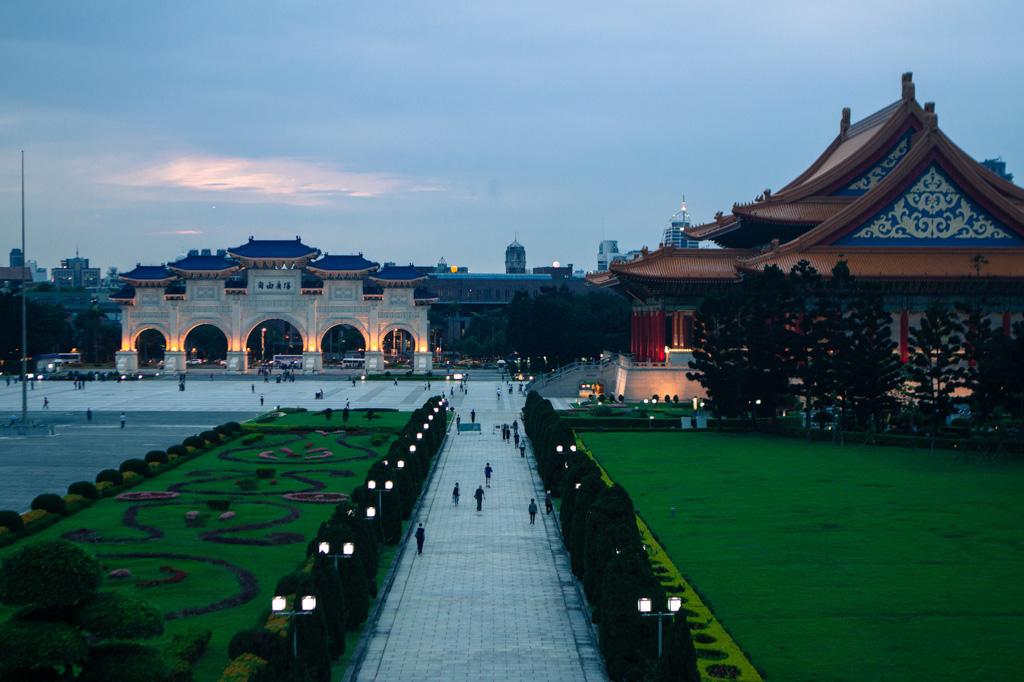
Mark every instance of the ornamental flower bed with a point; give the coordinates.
(176, 576)
(317, 497)
(147, 495)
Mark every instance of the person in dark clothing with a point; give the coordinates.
(472, 416)
(533, 511)
(88, 414)
(458, 423)
(522, 449)
(261, 399)
(122, 420)
(479, 495)
(420, 536)
(516, 439)
(487, 474)
(455, 494)
(549, 504)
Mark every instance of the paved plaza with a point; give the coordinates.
(491, 597)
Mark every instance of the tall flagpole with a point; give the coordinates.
(24, 306)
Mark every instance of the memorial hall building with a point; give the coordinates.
(891, 195)
(239, 290)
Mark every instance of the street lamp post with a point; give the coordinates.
(348, 550)
(279, 605)
(263, 345)
(643, 605)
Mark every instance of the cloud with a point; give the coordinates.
(272, 180)
(177, 232)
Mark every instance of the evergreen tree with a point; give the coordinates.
(766, 318)
(878, 372)
(935, 370)
(987, 371)
(719, 356)
(629, 641)
(807, 333)
(678, 661)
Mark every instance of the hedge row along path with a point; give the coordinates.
(231, 566)
(491, 597)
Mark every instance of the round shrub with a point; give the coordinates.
(85, 489)
(48, 573)
(232, 427)
(117, 615)
(221, 429)
(34, 645)
(211, 437)
(296, 582)
(193, 442)
(50, 502)
(178, 450)
(11, 520)
(124, 662)
(110, 476)
(268, 645)
(158, 456)
(135, 465)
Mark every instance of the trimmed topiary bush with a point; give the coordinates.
(232, 427)
(124, 662)
(135, 465)
(245, 668)
(211, 437)
(268, 645)
(177, 451)
(194, 442)
(158, 456)
(85, 489)
(50, 502)
(11, 520)
(110, 476)
(32, 648)
(117, 615)
(48, 573)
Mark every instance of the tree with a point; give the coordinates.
(766, 318)
(989, 363)
(719, 356)
(807, 334)
(873, 383)
(678, 661)
(96, 337)
(628, 640)
(935, 370)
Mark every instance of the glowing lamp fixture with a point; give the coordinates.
(278, 604)
(371, 512)
(401, 462)
(309, 603)
(559, 449)
(572, 448)
(430, 417)
(426, 426)
(348, 549)
(388, 485)
(578, 484)
(674, 604)
(419, 436)
(412, 449)
(643, 605)
(324, 548)
(371, 484)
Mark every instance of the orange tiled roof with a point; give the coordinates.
(899, 263)
(810, 211)
(683, 264)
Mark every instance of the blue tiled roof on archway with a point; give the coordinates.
(354, 263)
(399, 273)
(148, 272)
(205, 263)
(274, 248)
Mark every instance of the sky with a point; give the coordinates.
(412, 131)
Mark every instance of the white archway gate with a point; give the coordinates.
(274, 288)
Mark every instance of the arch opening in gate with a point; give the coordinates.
(150, 345)
(398, 347)
(343, 345)
(206, 344)
(275, 342)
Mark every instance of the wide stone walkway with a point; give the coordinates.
(491, 597)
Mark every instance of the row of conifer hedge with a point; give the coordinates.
(599, 529)
(265, 653)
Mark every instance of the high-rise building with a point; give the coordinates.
(607, 250)
(75, 273)
(17, 258)
(515, 258)
(998, 166)
(674, 234)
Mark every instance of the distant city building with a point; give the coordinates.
(556, 271)
(17, 258)
(38, 274)
(442, 266)
(515, 258)
(996, 165)
(607, 250)
(675, 233)
(75, 273)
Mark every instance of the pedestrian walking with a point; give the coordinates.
(455, 495)
(46, 403)
(261, 400)
(88, 414)
(487, 474)
(516, 439)
(472, 416)
(549, 504)
(458, 423)
(420, 536)
(122, 420)
(533, 511)
(479, 495)
(522, 449)
(253, 387)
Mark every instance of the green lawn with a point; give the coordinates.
(839, 564)
(267, 551)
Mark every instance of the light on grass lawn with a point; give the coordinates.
(371, 512)
(674, 604)
(371, 484)
(278, 604)
(643, 605)
(309, 603)
(348, 549)
(324, 548)
(412, 449)
(388, 485)
(401, 462)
